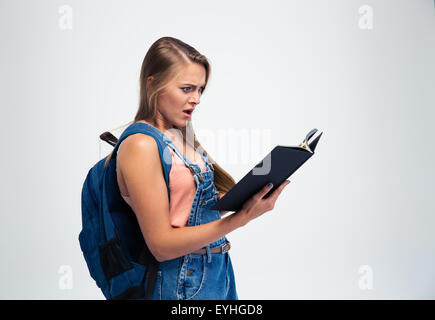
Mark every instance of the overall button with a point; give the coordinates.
(201, 178)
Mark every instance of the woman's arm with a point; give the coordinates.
(141, 169)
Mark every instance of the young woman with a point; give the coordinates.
(183, 234)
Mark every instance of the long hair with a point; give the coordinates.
(164, 60)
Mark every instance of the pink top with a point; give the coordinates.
(182, 187)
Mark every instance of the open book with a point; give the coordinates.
(276, 167)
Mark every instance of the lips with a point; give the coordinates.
(188, 112)
(187, 115)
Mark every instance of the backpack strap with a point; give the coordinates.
(146, 258)
(153, 267)
(140, 127)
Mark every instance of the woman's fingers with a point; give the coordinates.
(260, 194)
(256, 205)
(278, 190)
(269, 186)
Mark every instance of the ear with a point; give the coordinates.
(149, 80)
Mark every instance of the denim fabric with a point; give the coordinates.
(207, 276)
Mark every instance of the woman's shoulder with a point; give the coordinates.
(136, 146)
(138, 141)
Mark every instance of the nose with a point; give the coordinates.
(194, 98)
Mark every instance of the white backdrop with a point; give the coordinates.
(357, 220)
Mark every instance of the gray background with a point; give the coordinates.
(279, 69)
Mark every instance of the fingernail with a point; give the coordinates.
(270, 185)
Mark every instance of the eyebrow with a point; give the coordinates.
(189, 84)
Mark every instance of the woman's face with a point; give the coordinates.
(183, 93)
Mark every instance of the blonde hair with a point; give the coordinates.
(164, 60)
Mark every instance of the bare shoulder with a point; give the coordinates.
(142, 171)
(137, 145)
(138, 140)
(138, 156)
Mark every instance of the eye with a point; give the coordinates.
(188, 88)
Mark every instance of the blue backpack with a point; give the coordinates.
(111, 240)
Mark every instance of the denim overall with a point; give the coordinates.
(207, 276)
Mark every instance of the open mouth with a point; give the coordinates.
(187, 112)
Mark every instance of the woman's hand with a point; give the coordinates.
(256, 205)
